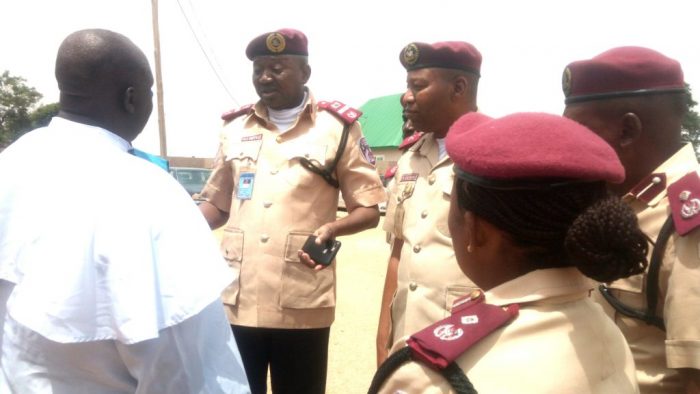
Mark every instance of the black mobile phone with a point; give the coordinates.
(322, 254)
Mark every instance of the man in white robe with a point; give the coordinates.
(109, 276)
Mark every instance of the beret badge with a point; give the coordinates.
(410, 54)
(566, 81)
(275, 43)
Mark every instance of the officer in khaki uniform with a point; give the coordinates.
(423, 278)
(528, 192)
(635, 98)
(276, 179)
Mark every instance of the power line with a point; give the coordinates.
(206, 54)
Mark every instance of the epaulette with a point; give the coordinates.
(472, 319)
(684, 198)
(345, 113)
(234, 113)
(390, 172)
(410, 140)
(649, 187)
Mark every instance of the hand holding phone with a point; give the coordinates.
(321, 254)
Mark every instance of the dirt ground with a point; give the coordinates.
(360, 274)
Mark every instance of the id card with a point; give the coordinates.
(245, 186)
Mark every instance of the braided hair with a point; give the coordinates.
(574, 224)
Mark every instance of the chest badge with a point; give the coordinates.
(690, 207)
(245, 186)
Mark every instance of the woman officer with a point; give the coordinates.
(531, 222)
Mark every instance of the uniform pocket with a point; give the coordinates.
(244, 150)
(296, 174)
(404, 192)
(444, 210)
(303, 287)
(392, 193)
(232, 250)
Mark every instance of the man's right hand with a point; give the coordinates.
(213, 215)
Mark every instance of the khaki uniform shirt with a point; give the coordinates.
(656, 352)
(561, 342)
(429, 279)
(287, 204)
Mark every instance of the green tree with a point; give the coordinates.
(690, 128)
(18, 111)
(41, 116)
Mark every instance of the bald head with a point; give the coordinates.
(104, 80)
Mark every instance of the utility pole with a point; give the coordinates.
(159, 80)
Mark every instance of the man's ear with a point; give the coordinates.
(631, 129)
(480, 230)
(460, 85)
(306, 73)
(128, 103)
(471, 227)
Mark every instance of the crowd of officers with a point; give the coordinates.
(514, 212)
(533, 253)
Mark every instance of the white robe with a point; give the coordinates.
(116, 275)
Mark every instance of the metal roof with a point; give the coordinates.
(381, 121)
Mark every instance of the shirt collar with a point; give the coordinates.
(94, 132)
(429, 147)
(566, 283)
(261, 112)
(681, 163)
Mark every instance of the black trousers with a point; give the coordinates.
(298, 358)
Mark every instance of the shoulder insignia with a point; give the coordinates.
(684, 198)
(410, 140)
(390, 172)
(345, 113)
(472, 319)
(649, 187)
(234, 113)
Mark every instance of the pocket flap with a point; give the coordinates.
(308, 151)
(295, 240)
(232, 244)
(244, 150)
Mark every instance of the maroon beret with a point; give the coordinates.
(620, 72)
(529, 151)
(456, 55)
(280, 42)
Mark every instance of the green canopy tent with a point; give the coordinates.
(381, 121)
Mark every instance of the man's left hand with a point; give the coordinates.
(323, 234)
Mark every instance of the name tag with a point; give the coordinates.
(245, 186)
(412, 177)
